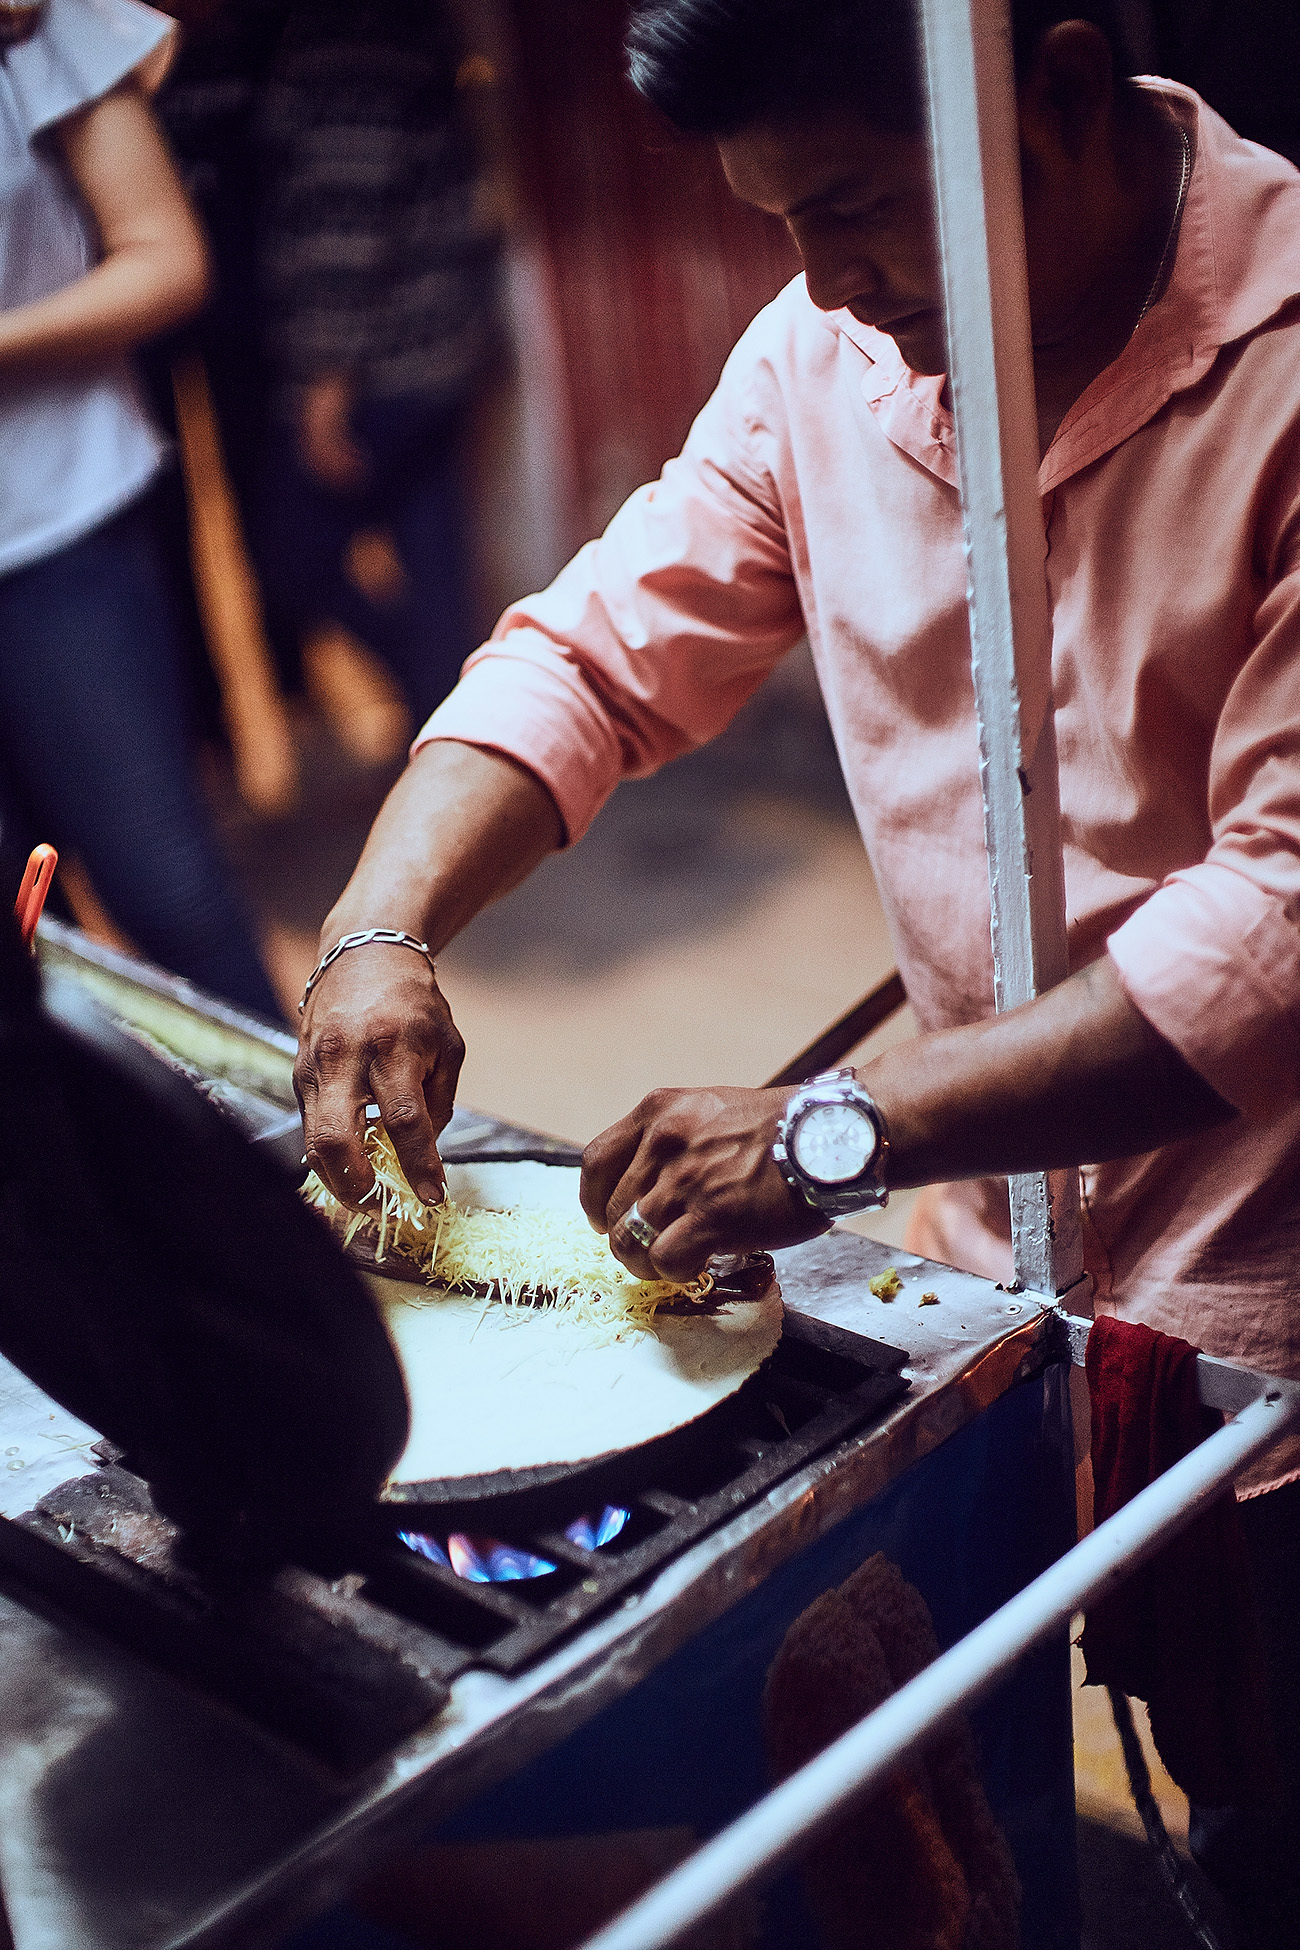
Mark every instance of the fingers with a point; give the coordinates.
(699, 1166)
(683, 1249)
(629, 1164)
(383, 1034)
(333, 1119)
(441, 1078)
(604, 1163)
(402, 1092)
(656, 1210)
(683, 1244)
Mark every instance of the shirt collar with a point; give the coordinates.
(907, 405)
(1236, 266)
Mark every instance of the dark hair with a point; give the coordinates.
(716, 66)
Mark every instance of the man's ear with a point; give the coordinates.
(1067, 93)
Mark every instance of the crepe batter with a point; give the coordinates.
(497, 1387)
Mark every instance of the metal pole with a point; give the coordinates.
(974, 137)
(756, 1847)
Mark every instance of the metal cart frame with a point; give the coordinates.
(754, 1849)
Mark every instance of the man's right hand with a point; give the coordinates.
(377, 1029)
(460, 827)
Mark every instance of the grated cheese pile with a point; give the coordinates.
(527, 1256)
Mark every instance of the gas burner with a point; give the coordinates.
(347, 1665)
(485, 1560)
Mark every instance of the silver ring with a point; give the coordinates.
(640, 1229)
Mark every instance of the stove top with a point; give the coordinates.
(349, 1666)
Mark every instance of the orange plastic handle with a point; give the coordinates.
(31, 895)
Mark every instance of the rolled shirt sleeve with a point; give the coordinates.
(652, 638)
(1212, 957)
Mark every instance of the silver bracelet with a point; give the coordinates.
(392, 937)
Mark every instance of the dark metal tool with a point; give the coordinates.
(163, 1281)
(844, 1034)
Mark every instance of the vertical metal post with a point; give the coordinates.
(974, 137)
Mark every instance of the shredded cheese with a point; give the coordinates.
(527, 1256)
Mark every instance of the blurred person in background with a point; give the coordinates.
(98, 251)
(378, 264)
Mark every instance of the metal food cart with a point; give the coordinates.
(179, 1773)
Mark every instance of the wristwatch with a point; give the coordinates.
(832, 1145)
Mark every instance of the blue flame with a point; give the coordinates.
(482, 1560)
(423, 1546)
(591, 1534)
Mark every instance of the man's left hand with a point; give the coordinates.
(698, 1166)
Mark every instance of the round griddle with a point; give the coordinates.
(556, 1491)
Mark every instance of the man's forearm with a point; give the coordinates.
(1074, 1078)
(461, 827)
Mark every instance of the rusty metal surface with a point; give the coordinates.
(139, 1816)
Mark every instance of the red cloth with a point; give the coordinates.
(1180, 1633)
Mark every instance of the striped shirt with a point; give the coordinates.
(378, 258)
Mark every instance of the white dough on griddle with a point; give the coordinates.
(512, 1185)
(496, 1387)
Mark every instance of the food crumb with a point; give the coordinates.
(928, 1300)
(885, 1285)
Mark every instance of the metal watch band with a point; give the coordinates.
(836, 1201)
(391, 937)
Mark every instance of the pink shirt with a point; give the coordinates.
(817, 491)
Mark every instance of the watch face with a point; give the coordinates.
(833, 1143)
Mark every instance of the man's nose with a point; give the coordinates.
(834, 292)
(835, 277)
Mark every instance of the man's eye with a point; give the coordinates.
(877, 214)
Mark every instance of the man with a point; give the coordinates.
(817, 491)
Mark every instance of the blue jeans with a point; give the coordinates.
(413, 490)
(95, 754)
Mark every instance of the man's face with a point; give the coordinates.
(860, 207)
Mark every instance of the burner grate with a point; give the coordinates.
(349, 1667)
(821, 1386)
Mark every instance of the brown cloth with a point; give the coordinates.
(1181, 1632)
(919, 1864)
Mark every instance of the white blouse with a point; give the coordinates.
(74, 448)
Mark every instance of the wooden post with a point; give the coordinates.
(973, 130)
(257, 718)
